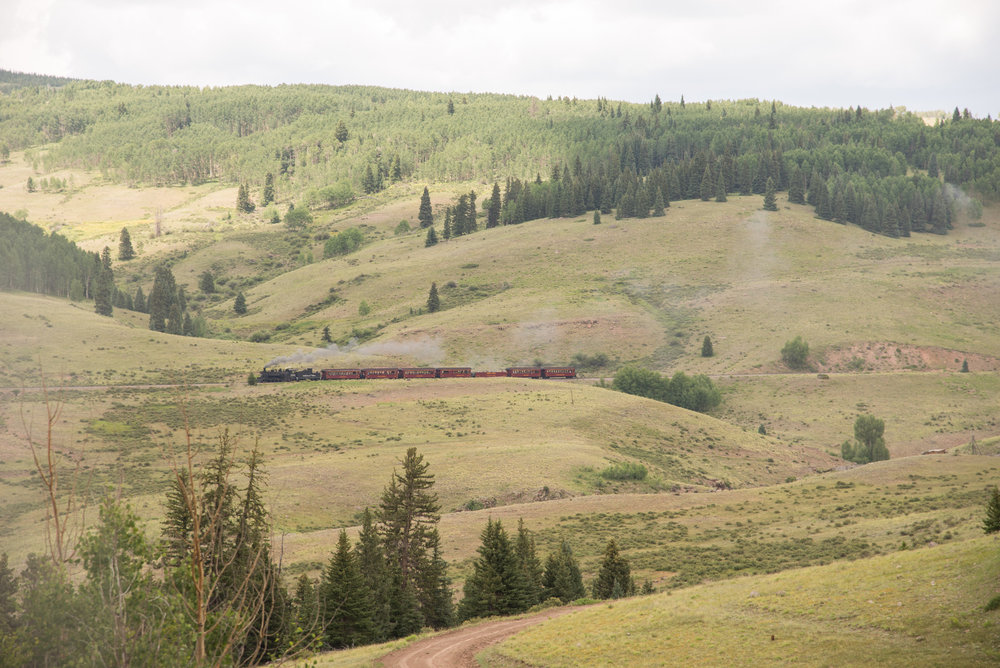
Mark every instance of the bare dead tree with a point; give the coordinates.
(61, 531)
(228, 572)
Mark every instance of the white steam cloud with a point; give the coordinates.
(423, 351)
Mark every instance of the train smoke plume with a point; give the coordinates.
(423, 351)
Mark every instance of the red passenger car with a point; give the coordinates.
(380, 373)
(454, 372)
(559, 372)
(524, 372)
(490, 374)
(418, 373)
(341, 374)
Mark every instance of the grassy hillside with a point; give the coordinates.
(921, 607)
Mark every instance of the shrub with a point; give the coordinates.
(260, 337)
(795, 353)
(625, 471)
(344, 242)
(595, 361)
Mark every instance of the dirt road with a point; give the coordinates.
(458, 648)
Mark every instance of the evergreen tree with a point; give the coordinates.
(431, 239)
(770, 202)
(493, 214)
(470, 216)
(707, 184)
(614, 578)
(240, 305)
(434, 585)
(206, 282)
(161, 298)
(720, 189)
(706, 347)
(105, 286)
(11, 651)
(407, 516)
(797, 187)
(375, 571)
(326, 335)
(528, 562)
(243, 203)
(497, 585)
(991, 523)
(597, 216)
(175, 320)
(125, 250)
(447, 224)
(267, 196)
(562, 577)
(306, 617)
(658, 205)
(932, 167)
(345, 601)
(341, 132)
(425, 214)
(433, 301)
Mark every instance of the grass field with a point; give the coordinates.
(921, 607)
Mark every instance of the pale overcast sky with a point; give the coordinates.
(920, 54)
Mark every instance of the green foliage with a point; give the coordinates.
(401, 228)
(125, 250)
(24, 248)
(104, 287)
(868, 446)
(425, 215)
(407, 524)
(433, 300)
(345, 601)
(770, 201)
(695, 393)
(243, 203)
(431, 239)
(795, 353)
(562, 579)
(298, 218)
(240, 304)
(587, 362)
(625, 471)
(206, 282)
(337, 195)
(991, 523)
(706, 347)
(344, 242)
(497, 585)
(614, 577)
(363, 308)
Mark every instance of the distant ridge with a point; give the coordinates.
(11, 80)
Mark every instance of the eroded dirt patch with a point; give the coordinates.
(888, 356)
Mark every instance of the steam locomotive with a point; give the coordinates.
(292, 375)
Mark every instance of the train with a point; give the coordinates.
(269, 375)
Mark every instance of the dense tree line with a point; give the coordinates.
(616, 155)
(50, 264)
